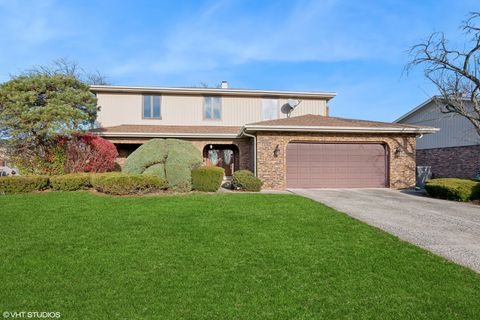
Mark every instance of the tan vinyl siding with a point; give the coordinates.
(455, 130)
(241, 110)
(124, 108)
(310, 106)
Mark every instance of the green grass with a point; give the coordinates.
(238, 256)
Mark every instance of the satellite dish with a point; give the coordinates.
(288, 107)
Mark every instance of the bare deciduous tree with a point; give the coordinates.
(65, 66)
(455, 73)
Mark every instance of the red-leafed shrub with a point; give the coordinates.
(90, 153)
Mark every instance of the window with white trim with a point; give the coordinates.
(269, 109)
(152, 107)
(212, 108)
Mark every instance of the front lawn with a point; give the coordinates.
(235, 256)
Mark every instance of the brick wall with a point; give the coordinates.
(272, 170)
(455, 162)
(244, 148)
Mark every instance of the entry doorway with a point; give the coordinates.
(225, 156)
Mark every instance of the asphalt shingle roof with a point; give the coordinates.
(310, 120)
(169, 129)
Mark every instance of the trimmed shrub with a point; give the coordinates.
(127, 184)
(476, 192)
(89, 153)
(207, 179)
(245, 180)
(156, 169)
(171, 159)
(48, 160)
(453, 189)
(22, 184)
(179, 176)
(151, 153)
(70, 182)
(68, 154)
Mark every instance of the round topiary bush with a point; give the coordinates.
(245, 180)
(171, 159)
(71, 182)
(208, 179)
(127, 184)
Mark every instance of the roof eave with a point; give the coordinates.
(165, 135)
(341, 129)
(420, 107)
(217, 91)
(414, 110)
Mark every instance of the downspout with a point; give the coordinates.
(254, 150)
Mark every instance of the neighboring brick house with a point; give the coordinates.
(249, 129)
(454, 151)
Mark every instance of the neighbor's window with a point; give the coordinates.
(269, 109)
(151, 107)
(212, 108)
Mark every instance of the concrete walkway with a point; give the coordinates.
(447, 228)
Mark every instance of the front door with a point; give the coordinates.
(222, 158)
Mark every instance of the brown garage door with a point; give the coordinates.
(336, 165)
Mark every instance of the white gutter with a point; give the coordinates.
(166, 135)
(266, 128)
(254, 149)
(218, 91)
(341, 129)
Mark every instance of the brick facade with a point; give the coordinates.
(454, 162)
(272, 170)
(244, 148)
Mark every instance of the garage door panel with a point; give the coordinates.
(322, 158)
(335, 165)
(291, 157)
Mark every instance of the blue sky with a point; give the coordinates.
(354, 48)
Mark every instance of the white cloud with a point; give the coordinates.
(223, 35)
(36, 32)
(26, 24)
(309, 31)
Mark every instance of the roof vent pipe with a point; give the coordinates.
(224, 84)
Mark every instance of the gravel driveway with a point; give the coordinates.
(447, 228)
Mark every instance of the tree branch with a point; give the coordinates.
(454, 73)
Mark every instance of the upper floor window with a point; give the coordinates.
(269, 109)
(212, 108)
(151, 107)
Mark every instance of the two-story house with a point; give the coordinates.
(285, 137)
(452, 152)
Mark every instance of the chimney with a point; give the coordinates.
(224, 84)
